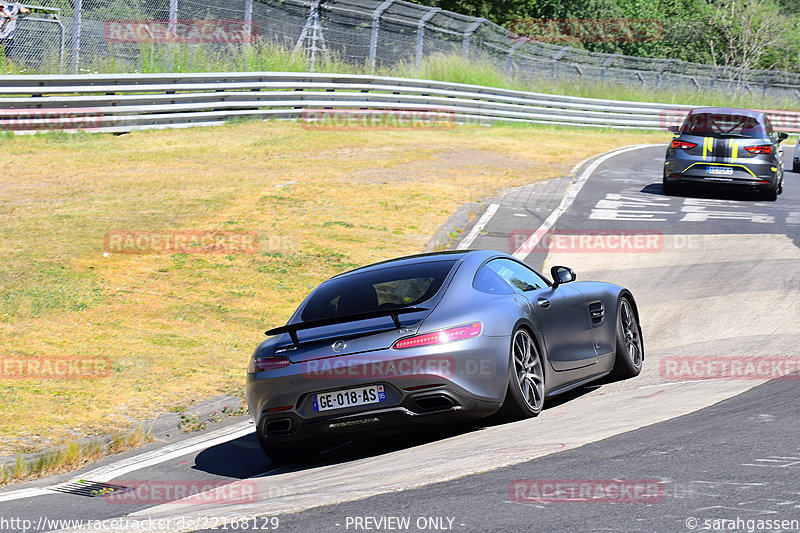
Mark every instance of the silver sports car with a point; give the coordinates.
(434, 338)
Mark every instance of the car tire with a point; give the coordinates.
(629, 354)
(669, 188)
(771, 194)
(795, 167)
(525, 390)
(285, 453)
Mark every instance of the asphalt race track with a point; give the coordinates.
(716, 448)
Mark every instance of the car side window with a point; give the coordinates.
(520, 277)
(488, 281)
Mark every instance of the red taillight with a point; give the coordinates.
(457, 333)
(278, 409)
(261, 364)
(683, 145)
(763, 149)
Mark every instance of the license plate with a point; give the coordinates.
(719, 171)
(339, 399)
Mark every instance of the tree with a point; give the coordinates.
(747, 30)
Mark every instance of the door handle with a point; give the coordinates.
(543, 303)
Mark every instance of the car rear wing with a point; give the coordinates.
(292, 329)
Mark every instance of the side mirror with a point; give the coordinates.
(562, 274)
(674, 129)
(782, 136)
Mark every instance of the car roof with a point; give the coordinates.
(729, 111)
(447, 255)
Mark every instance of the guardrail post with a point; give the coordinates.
(606, 64)
(248, 19)
(467, 34)
(76, 35)
(557, 58)
(767, 80)
(664, 67)
(421, 33)
(512, 50)
(172, 29)
(63, 42)
(717, 72)
(373, 39)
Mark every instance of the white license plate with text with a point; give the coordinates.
(719, 171)
(339, 399)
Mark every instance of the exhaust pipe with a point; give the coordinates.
(437, 402)
(279, 425)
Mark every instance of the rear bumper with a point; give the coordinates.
(744, 172)
(739, 178)
(465, 380)
(431, 408)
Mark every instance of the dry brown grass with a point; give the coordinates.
(178, 328)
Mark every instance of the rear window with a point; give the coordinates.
(723, 125)
(387, 288)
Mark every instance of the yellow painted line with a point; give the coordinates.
(734, 148)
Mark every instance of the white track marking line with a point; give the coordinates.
(24, 493)
(569, 197)
(487, 216)
(144, 460)
(490, 212)
(165, 453)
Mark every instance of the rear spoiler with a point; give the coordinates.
(292, 329)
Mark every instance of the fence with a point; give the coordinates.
(41, 37)
(133, 35)
(126, 102)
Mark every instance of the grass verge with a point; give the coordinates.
(70, 456)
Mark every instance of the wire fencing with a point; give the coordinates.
(40, 38)
(166, 35)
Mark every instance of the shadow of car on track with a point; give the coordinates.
(710, 193)
(243, 458)
(239, 458)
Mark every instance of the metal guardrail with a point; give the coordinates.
(119, 103)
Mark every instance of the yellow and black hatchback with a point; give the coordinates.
(721, 146)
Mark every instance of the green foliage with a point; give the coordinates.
(692, 29)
